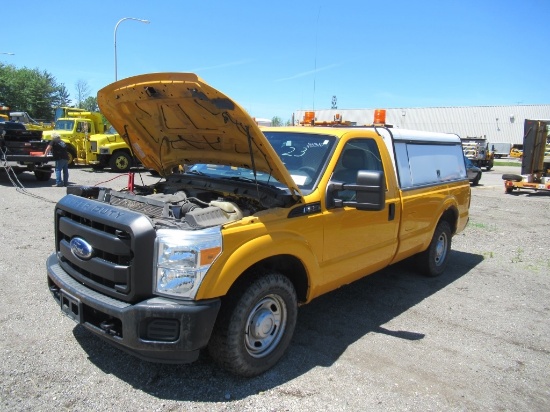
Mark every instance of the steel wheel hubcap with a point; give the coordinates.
(441, 249)
(265, 326)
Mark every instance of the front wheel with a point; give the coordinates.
(255, 326)
(120, 162)
(432, 261)
(70, 157)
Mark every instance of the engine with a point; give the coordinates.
(182, 209)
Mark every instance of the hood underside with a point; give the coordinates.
(172, 119)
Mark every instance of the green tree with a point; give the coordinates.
(276, 121)
(30, 90)
(62, 98)
(90, 104)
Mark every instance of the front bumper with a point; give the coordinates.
(157, 329)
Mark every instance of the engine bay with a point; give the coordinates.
(189, 202)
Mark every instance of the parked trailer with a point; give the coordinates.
(535, 163)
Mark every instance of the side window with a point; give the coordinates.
(358, 154)
(82, 127)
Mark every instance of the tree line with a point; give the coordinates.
(38, 93)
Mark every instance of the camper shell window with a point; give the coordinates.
(426, 163)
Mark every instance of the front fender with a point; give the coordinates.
(233, 263)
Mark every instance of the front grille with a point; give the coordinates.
(93, 147)
(122, 241)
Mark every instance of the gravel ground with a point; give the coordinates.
(476, 338)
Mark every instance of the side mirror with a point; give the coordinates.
(370, 191)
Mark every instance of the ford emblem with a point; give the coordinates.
(81, 249)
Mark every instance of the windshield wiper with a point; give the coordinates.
(247, 180)
(196, 172)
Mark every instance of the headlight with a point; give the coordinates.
(182, 259)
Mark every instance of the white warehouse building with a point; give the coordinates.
(498, 124)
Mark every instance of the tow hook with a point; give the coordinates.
(108, 327)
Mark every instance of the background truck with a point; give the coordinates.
(478, 151)
(23, 150)
(221, 255)
(501, 150)
(90, 142)
(535, 162)
(4, 113)
(109, 149)
(29, 122)
(75, 130)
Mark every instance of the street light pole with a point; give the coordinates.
(116, 27)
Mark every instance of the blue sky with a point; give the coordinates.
(277, 57)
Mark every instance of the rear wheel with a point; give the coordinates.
(432, 261)
(475, 182)
(42, 176)
(255, 326)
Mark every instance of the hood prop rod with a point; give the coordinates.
(249, 137)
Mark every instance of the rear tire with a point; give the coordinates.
(433, 261)
(42, 176)
(475, 182)
(255, 326)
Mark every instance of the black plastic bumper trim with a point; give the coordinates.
(196, 319)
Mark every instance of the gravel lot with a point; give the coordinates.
(476, 338)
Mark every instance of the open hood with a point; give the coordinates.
(172, 119)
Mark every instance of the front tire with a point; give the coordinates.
(433, 261)
(255, 326)
(120, 162)
(71, 153)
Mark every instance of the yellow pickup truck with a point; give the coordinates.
(260, 222)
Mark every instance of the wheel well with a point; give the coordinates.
(71, 149)
(450, 216)
(287, 265)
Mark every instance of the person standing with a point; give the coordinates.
(61, 157)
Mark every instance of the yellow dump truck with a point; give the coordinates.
(90, 142)
(75, 130)
(219, 257)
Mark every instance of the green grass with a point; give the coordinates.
(506, 163)
(489, 227)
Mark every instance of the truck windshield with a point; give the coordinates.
(64, 125)
(303, 154)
